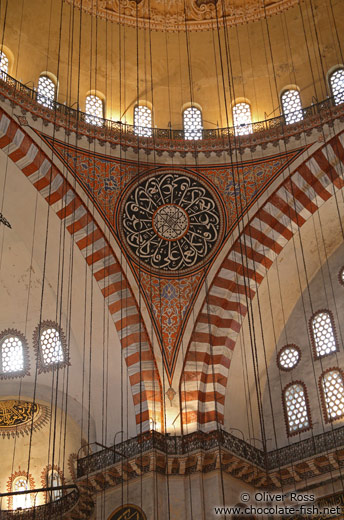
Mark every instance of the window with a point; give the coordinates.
(292, 107)
(288, 357)
(46, 91)
(54, 480)
(296, 408)
(143, 121)
(341, 276)
(50, 345)
(322, 334)
(337, 86)
(3, 62)
(14, 356)
(192, 120)
(332, 393)
(21, 501)
(94, 110)
(242, 119)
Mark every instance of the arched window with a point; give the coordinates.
(54, 480)
(337, 85)
(22, 501)
(94, 110)
(51, 347)
(242, 119)
(14, 357)
(296, 408)
(288, 357)
(332, 393)
(341, 276)
(142, 121)
(322, 334)
(46, 91)
(291, 106)
(3, 62)
(192, 121)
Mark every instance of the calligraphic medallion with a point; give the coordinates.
(171, 222)
(18, 417)
(128, 512)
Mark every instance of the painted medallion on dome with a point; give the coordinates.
(16, 413)
(171, 222)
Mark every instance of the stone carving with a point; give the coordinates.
(171, 222)
(173, 16)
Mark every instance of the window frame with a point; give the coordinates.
(328, 419)
(340, 276)
(26, 358)
(330, 73)
(285, 409)
(48, 101)
(98, 120)
(42, 366)
(288, 345)
(290, 88)
(313, 342)
(137, 105)
(242, 125)
(193, 107)
(45, 481)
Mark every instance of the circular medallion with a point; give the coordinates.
(128, 512)
(171, 222)
(16, 413)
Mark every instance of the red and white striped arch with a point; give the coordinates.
(204, 378)
(90, 239)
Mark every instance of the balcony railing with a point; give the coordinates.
(52, 510)
(187, 444)
(105, 129)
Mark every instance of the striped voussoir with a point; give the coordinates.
(51, 184)
(204, 379)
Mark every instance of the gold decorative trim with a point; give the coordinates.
(18, 417)
(199, 15)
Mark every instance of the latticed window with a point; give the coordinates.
(54, 480)
(332, 387)
(242, 119)
(3, 62)
(296, 408)
(51, 346)
(341, 276)
(337, 86)
(292, 107)
(46, 91)
(323, 336)
(192, 121)
(288, 357)
(21, 501)
(143, 121)
(94, 110)
(13, 354)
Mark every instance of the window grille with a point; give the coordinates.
(242, 119)
(288, 357)
(3, 63)
(296, 408)
(337, 86)
(292, 107)
(21, 501)
(54, 480)
(322, 330)
(332, 388)
(12, 355)
(341, 276)
(142, 121)
(46, 92)
(192, 121)
(51, 347)
(94, 110)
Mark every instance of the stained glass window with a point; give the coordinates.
(323, 334)
(192, 120)
(242, 119)
(297, 414)
(143, 121)
(292, 107)
(332, 387)
(337, 85)
(46, 91)
(94, 110)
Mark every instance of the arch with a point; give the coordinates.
(100, 257)
(202, 388)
